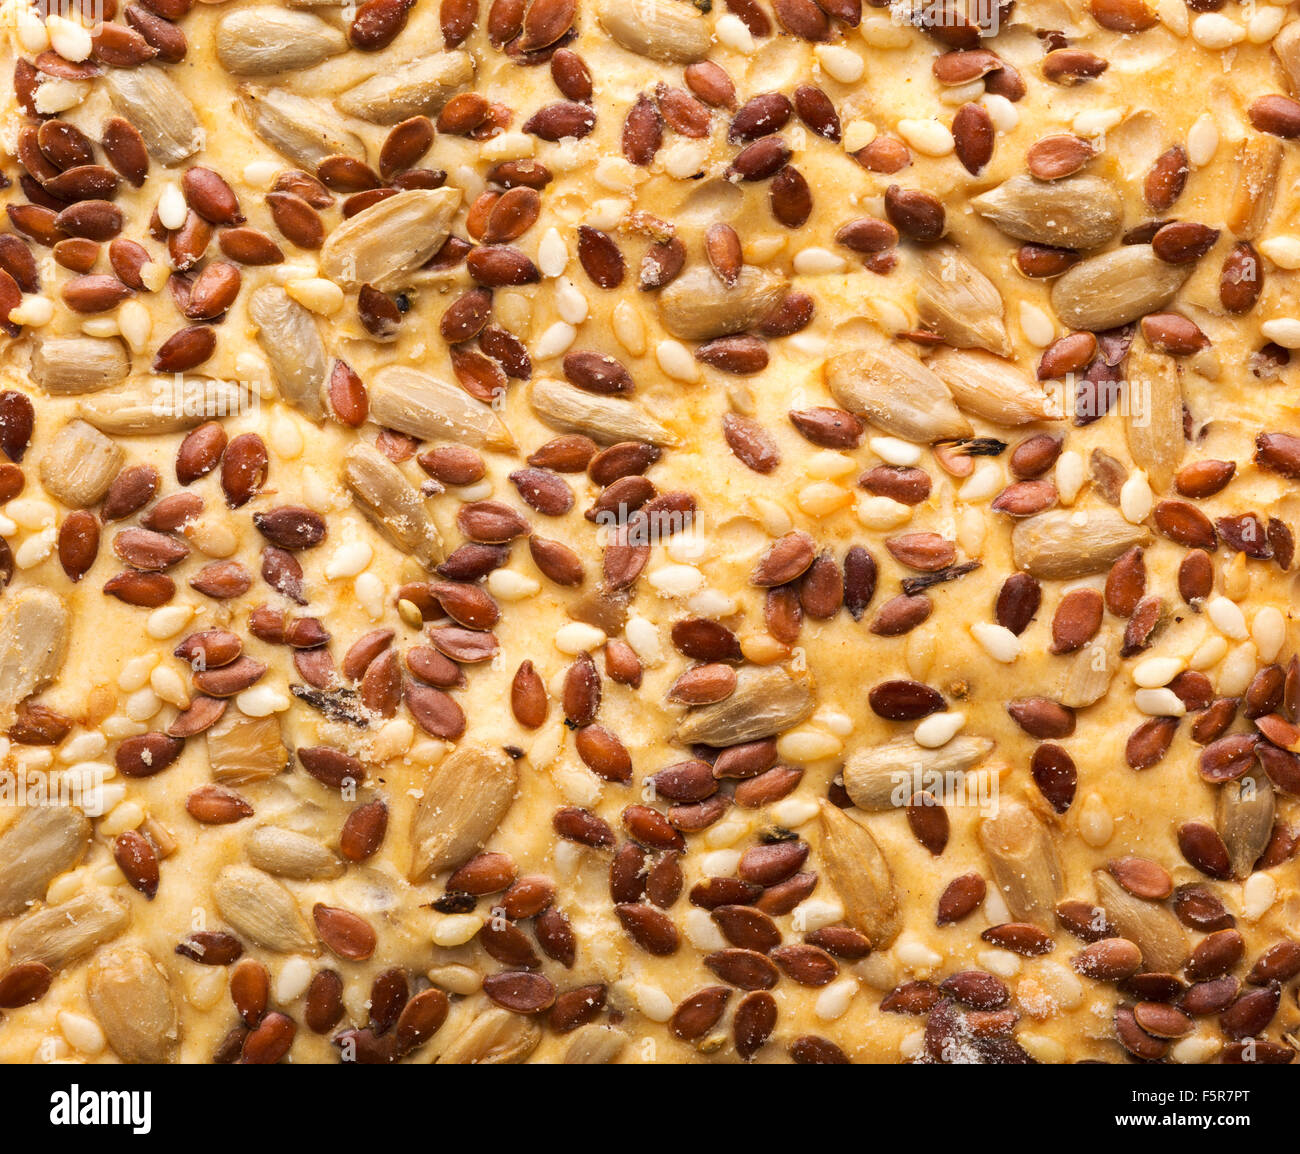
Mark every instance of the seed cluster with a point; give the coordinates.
(756, 527)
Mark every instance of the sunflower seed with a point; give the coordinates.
(153, 406)
(263, 40)
(767, 700)
(302, 130)
(673, 33)
(386, 243)
(989, 387)
(1077, 212)
(37, 847)
(1154, 427)
(288, 854)
(1148, 925)
(392, 504)
(859, 873)
(606, 420)
(1104, 292)
(1244, 818)
(34, 630)
(873, 775)
(259, 908)
(1059, 545)
(418, 88)
(66, 366)
(893, 390)
(159, 110)
(57, 935)
(425, 407)
(131, 1000)
(697, 306)
(957, 301)
(464, 798)
(292, 343)
(80, 464)
(1023, 859)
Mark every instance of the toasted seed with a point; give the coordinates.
(1244, 818)
(699, 306)
(1119, 286)
(263, 41)
(302, 130)
(1023, 858)
(872, 774)
(261, 909)
(766, 701)
(988, 387)
(42, 843)
(419, 87)
(1055, 545)
(160, 112)
(1076, 212)
(957, 301)
(464, 799)
(893, 390)
(1152, 928)
(861, 876)
(67, 366)
(654, 31)
(606, 420)
(130, 998)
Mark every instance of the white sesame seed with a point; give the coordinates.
(172, 209)
(578, 637)
(1258, 892)
(840, 63)
(732, 33)
(1203, 138)
(262, 701)
(895, 451)
(1285, 331)
(349, 560)
(1173, 15)
(1283, 251)
(1268, 630)
(1153, 672)
(882, 512)
(168, 621)
(569, 301)
(1226, 617)
(555, 340)
(675, 359)
(815, 261)
(833, 1002)
(1069, 476)
(1002, 112)
(1215, 31)
(1136, 498)
(938, 729)
(807, 743)
(552, 255)
(675, 580)
(68, 38)
(1036, 325)
(1159, 703)
(928, 137)
(997, 641)
(292, 980)
(508, 585)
